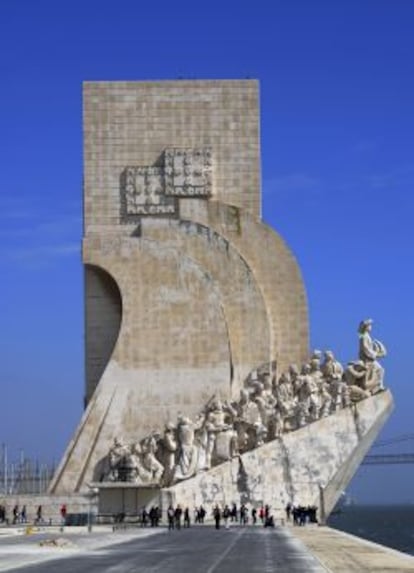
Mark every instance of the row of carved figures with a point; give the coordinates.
(267, 407)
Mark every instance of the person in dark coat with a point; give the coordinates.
(217, 516)
(171, 517)
(186, 517)
(177, 515)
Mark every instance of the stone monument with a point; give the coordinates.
(199, 381)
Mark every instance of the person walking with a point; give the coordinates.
(63, 513)
(177, 515)
(243, 514)
(233, 513)
(262, 514)
(23, 515)
(186, 517)
(226, 515)
(16, 514)
(171, 517)
(217, 516)
(144, 517)
(202, 514)
(157, 515)
(153, 516)
(288, 510)
(39, 514)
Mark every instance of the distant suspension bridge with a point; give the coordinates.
(385, 459)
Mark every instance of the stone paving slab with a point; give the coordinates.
(341, 552)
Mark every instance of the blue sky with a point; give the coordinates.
(337, 126)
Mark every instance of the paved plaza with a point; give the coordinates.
(197, 550)
(200, 549)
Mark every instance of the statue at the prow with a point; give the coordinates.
(366, 375)
(369, 352)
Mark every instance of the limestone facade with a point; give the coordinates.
(186, 290)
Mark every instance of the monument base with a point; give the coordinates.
(128, 499)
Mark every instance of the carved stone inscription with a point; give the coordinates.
(188, 172)
(150, 190)
(144, 192)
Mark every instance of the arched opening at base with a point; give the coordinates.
(103, 315)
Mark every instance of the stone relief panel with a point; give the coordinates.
(142, 192)
(153, 190)
(268, 407)
(188, 172)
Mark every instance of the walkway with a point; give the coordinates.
(200, 549)
(344, 553)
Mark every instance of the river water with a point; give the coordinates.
(391, 525)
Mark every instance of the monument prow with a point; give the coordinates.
(310, 466)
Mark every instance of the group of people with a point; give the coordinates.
(20, 515)
(300, 514)
(177, 517)
(151, 517)
(268, 406)
(242, 515)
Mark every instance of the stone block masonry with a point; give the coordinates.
(186, 290)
